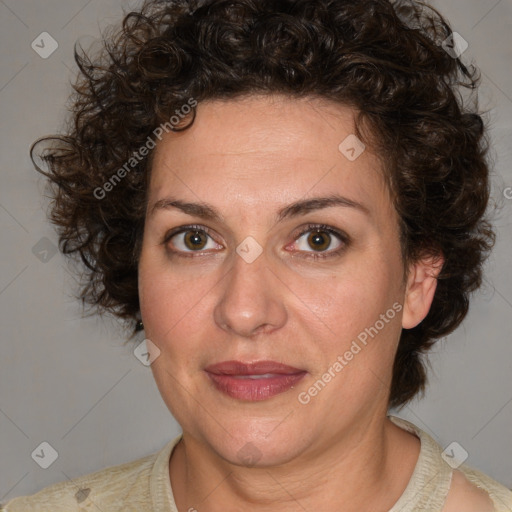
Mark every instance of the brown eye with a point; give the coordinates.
(319, 240)
(189, 240)
(195, 240)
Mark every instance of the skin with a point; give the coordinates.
(248, 158)
(466, 497)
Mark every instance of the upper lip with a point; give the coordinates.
(256, 368)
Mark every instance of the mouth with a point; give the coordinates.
(253, 381)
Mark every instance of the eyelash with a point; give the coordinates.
(343, 238)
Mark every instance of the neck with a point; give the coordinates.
(363, 469)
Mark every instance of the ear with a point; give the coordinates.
(420, 289)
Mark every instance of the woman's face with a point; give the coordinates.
(257, 280)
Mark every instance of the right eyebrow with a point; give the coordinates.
(202, 210)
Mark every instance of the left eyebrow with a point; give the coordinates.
(301, 207)
(317, 203)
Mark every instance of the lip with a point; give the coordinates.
(253, 381)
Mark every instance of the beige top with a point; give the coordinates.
(144, 485)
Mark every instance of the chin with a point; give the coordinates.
(258, 443)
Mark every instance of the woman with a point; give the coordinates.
(289, 198)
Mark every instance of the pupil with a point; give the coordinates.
(319, 240)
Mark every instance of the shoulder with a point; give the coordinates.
(473, 491)
(464, 489)
(106, 489)
(464, 496)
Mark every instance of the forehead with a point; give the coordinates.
(267, 148)
(262, 125)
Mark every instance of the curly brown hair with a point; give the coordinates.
(388, 61)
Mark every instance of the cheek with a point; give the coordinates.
(173, 314)
(348, 301)
(360, 324)
(174, 307)
(356, 351)
(164, 300)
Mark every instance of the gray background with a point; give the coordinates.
(69, 380)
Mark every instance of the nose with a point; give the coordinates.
(251, 301)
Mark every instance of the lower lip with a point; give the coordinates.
(254, 390)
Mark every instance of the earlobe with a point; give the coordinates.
(420, 289)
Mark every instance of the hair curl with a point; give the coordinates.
(386, 60)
